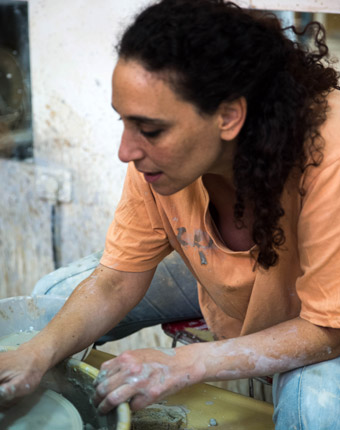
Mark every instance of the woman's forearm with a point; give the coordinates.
(286, 346)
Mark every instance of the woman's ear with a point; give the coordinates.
(232, 116)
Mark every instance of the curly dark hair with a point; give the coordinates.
(213, 52)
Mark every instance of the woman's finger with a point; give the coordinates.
(115, 398)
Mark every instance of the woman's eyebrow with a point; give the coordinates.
(145, 119)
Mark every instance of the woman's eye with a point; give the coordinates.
(151, 134)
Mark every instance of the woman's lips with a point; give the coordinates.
(152, 177)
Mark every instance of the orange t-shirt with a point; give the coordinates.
(236, 296)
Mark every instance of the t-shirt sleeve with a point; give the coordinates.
(319, 248)
(136, 240)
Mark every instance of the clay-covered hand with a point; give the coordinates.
(20, 374)
(145, 376)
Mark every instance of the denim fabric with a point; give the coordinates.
(307, 398)
(63, 281)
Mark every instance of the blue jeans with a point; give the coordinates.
(307, 398)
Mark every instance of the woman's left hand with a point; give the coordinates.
(145, 376)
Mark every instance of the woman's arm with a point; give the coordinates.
(95, 306)
(147, 375)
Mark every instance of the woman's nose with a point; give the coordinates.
(130, 148)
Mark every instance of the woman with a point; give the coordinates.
(230, 129)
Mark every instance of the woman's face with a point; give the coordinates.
(164, 136)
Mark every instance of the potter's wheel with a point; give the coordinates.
(70, 387)
(43, 410)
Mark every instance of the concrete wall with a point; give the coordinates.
(57, 207)
(24, 218)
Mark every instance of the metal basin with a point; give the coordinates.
(25, 313)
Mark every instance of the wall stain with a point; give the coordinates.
(3, 315)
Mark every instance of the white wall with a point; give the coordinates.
(330, 6)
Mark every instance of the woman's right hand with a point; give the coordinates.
(21, 371)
